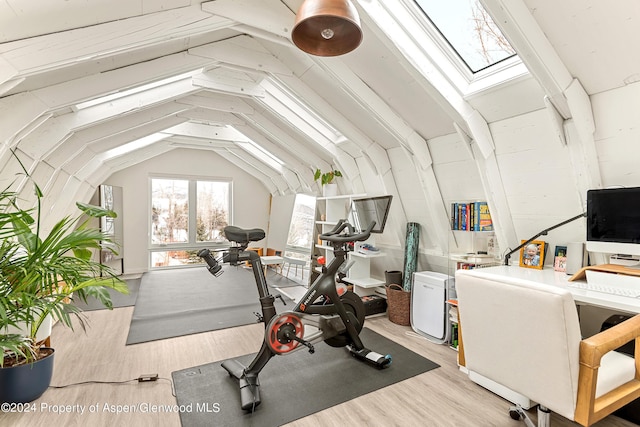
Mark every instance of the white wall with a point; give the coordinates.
(617, 121)
(250, 196)
(536, 171)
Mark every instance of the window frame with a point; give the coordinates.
(192, 243)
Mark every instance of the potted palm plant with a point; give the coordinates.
(40, 276)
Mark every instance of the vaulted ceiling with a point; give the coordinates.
(223, 75)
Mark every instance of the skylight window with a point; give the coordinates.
(299, 113)
(134, 90)
(469, 30)
(261, 153)
(134, 145)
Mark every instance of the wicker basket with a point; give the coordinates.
(398, 305)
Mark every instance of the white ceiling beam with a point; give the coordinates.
(115, 164)
(338, 120)
(272, 16)
(117, 139)
(583, 150)
(27, 108)
(228, 85)
(8, 75)
(256, 173)
(252, 162)
(217, 101)
(179, 141)
(77, 148)
(292, 161)
(243, 52)
(101, 84)
(211, 117)
(92, 125)
(67, 48)
(97, 167)
(297, 123)
(216, 133)
(294, 146)
(527, 38)
(17, 113)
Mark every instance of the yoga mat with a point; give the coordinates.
(292, 386)
(411, 253)
(185, 301)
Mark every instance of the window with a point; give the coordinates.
(212, 213)
(469, 30)
(186, 213)
(300, 235)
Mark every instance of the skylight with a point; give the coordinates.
(300, 114)
(134, 145)
(134, 90)
(261, 153)
(469, 30)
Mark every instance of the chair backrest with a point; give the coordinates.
(521, 334)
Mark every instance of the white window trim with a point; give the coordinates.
(191, 244)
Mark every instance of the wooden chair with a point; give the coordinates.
(525, 336)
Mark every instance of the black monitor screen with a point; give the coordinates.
(364, 211)
(613, 215)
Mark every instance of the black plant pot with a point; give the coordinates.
(25, 383)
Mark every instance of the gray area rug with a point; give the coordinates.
(292, 386)
(117, 299)
(185, 301)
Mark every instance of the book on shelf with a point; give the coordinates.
(463, 216)
(488, 262)
(484, 221)
(454, 335)
(454, 216)
(471, 216)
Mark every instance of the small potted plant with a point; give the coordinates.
(329, 188)
(40, 276)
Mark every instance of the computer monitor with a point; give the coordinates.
(613, 221)
(364, 211)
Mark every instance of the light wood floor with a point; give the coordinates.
(441, 397)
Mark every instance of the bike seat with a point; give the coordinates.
(243, 235)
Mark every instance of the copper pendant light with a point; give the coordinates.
(327, 27)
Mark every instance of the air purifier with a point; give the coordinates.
(429, 309)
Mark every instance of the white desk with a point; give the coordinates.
(271, 260)
(549, 276)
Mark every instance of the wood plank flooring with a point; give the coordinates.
(441, 397)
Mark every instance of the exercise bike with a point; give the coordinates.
(335, 317)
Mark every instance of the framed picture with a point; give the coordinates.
(532, 254)
(560, 259)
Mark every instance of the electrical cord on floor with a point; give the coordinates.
(134, 380)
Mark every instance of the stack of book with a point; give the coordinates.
(471, 216)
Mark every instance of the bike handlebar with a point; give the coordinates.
(214, 267)
(335, 235)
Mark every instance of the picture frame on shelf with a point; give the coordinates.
(532, 254)
(560, 259)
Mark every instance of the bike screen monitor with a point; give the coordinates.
(364, 211)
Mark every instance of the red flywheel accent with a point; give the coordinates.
(281, 330)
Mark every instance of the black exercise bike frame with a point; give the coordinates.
(323, 286)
